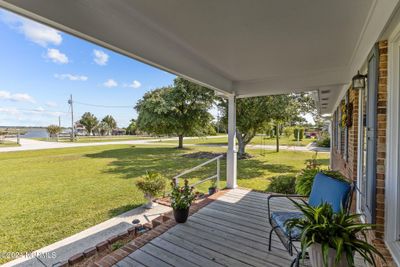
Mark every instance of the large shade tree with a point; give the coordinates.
(254, 114)
(89, 121)
(181, 110)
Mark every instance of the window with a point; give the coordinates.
(367, 144)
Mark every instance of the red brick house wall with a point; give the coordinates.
(348, 167)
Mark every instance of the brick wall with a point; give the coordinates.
(349, 167)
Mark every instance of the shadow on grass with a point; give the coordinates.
(133, 162)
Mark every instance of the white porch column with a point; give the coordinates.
(231, 157)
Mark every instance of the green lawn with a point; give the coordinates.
(258, 140)
(92, 139)
(8, 144)
(48, 195)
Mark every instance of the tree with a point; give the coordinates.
(252, 114)
(256, 114)
(110, 122)
(132, 127)
(103, 128)
(181, 109)
(89, 121)
(53, 130)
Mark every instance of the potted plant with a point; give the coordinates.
(181, 200)
(213, 188)
(332, 239)
(151, 185)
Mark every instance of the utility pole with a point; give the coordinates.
(71, 103)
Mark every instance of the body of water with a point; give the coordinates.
(35, 133)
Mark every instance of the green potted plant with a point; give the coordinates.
(332, 239)
(213, 188)
(152, 184)
(181, 200)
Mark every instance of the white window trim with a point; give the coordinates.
(392, 192)
(360, 150)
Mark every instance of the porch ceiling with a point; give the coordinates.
(244, 47)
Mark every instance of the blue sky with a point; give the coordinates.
(40, 67)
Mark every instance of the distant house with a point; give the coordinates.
(80, 129)
(118, 131)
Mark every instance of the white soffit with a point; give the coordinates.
(249, 48)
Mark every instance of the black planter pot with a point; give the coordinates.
(181, 215)
(212, 190)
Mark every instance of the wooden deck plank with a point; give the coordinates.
(129, 262)
(206, 252)
(184, 253)
(147, 259)
(222, 247)
(231, 231)
(167, 256)
(260, 238)
(247, 246)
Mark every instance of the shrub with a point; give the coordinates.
(298, 132)
(284, 184)
(152, 183)
(288, 131)
(324, 142)
(305, 179)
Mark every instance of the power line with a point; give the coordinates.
(101, 106)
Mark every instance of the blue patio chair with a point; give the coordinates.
(325, 189)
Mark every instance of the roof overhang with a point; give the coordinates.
(246, 48)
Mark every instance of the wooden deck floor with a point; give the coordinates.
(231, 231)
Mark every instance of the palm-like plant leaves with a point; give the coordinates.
(339, 231)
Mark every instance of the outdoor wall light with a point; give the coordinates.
(359, 81)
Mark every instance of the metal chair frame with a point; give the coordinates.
(288, 240)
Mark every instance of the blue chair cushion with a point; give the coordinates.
(280, 218)
(326, 189)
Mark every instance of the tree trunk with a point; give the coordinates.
(242, 147)
(277, 137)
(180, 145)
(241, 144)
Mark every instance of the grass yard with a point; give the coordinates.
(8, 144)
(257, 140)
(48, 195)
(92, 139)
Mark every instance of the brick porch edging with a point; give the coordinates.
(158, 226)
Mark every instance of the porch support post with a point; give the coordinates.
(231, 157)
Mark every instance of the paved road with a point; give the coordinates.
(30, 144)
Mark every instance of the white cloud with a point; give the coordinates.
(51, 104)
(110, 83)
(100, 57)
(71, 77)
(135, 84)
(56, 56)
(40, 109)
(33, 31)
(18, 97)
(9, 111)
